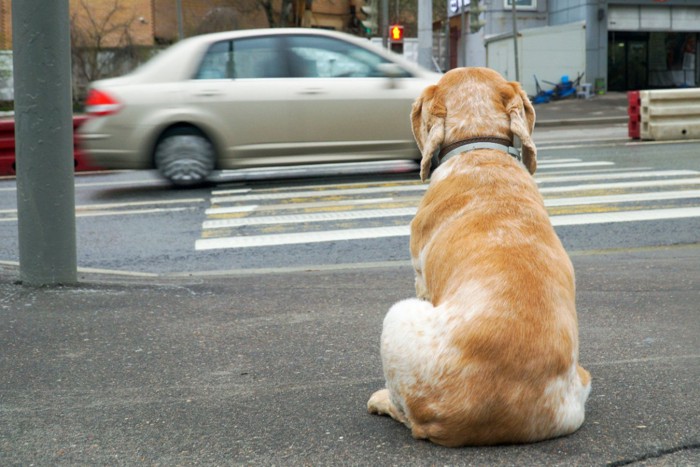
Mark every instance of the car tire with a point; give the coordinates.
(185, 156)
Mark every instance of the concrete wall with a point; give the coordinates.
(567, 11)
(549, 53)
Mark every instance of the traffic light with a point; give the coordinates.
(369, 24)
(396, 38)
(476, 22)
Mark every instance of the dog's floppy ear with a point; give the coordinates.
(522, 123)
(428, 125)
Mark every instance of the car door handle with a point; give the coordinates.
(311, 91)
(209, 93)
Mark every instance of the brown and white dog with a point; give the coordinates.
(488, 352)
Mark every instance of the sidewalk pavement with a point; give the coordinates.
(608, 108)
(276, 369)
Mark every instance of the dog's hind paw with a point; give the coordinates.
(380, 404)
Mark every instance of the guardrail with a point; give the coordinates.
(665, 115)
(633, 112)
(7, 147)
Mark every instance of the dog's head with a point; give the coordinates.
(468, 103)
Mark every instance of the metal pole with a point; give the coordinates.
(463, 34)
(425, 33)
(515, 42)
(447, 37)
(384, 28)
(180, 28)
(44, 142)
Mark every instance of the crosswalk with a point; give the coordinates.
(576, 193)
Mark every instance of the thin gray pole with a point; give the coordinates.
(463, 39)
(515, 42)
(44, 142)
(447, 37)
(384, 27)
(178, 11)
(425, 33)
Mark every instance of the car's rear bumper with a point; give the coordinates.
(113, 149)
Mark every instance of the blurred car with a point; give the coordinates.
(255, 98)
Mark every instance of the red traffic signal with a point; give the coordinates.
(396, 33)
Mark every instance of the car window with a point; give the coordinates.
(217, 62)
(257, 57)
(325, 57)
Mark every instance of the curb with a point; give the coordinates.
(581, 121)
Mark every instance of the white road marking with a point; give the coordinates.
(231, 209)
(128, 212)
(421, 187)
(574, 164)
(614, 186)
(300, 237)
(570, 171)
(233, 191)
(319, 204)
(313, 217)
(410, 211)
(402, 231)
(589, 171)
(616, 176)
(624, 198)
(317, 193)
(323, 187)
(555, 161)
(625, 216)
(319, 170)
(153, 181)
(141, 203)
(84, 207)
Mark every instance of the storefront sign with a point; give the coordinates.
(457, 6)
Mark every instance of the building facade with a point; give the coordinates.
(162, 22)
(615, 45)
(652, 44)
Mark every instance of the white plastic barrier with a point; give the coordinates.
(670, 114)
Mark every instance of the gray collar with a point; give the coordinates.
(478, 143)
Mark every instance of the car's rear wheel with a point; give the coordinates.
(185, 156)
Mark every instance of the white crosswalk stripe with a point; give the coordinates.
(575, 192)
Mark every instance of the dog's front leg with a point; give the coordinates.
(421, 289)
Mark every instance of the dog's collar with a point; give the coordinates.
(466, 145)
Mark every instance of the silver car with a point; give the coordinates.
(255, 98)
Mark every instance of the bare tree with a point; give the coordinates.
(218, 19)
(272, 18)
(282, 13)
(228, 15)
(102, 43)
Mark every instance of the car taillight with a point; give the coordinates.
(100, 103)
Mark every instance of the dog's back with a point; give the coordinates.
(488, 353)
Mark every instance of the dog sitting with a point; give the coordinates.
(488, 352)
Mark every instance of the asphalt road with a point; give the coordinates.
(276, 369)
(605, 194)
